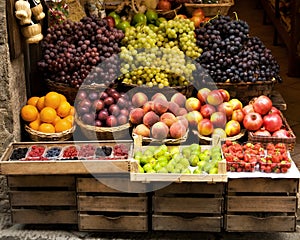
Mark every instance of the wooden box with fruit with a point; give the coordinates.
(261, 205)
(112, 203)
(188, 207)
(189, 163)
(67, 157)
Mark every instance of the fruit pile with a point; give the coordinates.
(103, 108)
(251, 157)
(230, 54)
(51, 113)
(36, 153)
(212, 111)
(158, 117)
(53, 152)
(190, 159)
(74, 52)
(70, 153)
(18, 153)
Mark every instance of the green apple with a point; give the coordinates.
(151, 16)
(123, 25)
(139, 18)
(116, 17)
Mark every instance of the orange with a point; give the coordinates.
(48, 115)
(72, 111)
(69, 118)
(46, 128)
(52, 99)
(40, 103)
(62, 98)
(29, 113)
(35, 124)
(62, 125)
(33, 101)
(63, 109)
(56, 120)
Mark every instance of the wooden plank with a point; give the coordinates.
(14, 34)
(247, 223)
(278, 101)
(42, 198)
(95, 185)
(261, 203)
(121, 223)
(63, 167)
(192, 188)
(34, 216)
(112, 204)
(263, 185)
(41, 181)
(178, 223)
(187, 205)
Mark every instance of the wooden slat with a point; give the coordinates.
(247, 223)
(112, 203)
(261, 204)
(95, 185)
(41, 181)
(42, 198)
(187, 205)
(34, 216)
(263, 185)
(63, 167)
(177, 223)
(104, 223)
(192, 188)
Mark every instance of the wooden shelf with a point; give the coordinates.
(289, 35)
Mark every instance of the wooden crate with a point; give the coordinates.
(42, 199)
(188, 207)
(261, 205)
(103, 208)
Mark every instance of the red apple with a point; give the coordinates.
(207, 110)
(236, 104)
(194, 117)
(232, 128)
(225, 94)
(227, 108)
(192, 104)
(110, 21)
(218, 119)
(163, 5)
(214, 97)
(205, 127)
(238, 115)
(202, 94)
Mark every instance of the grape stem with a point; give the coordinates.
(236, 15)
(212, 18)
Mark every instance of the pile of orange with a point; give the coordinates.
(51, 113)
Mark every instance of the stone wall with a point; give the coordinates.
(12, 97)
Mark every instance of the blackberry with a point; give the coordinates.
(18, 153)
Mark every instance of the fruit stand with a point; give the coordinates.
(152, 119)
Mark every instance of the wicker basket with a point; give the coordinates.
(130, 89)
(171, 13)
(290, 142)
(121, 132)
(208, 140)
(40, 136)
(245, 91)
(210, 10)
(167, 141)
(69, 92)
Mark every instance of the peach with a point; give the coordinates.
(179, 98)
(205, 127)
(182, 111)
(150, 118)
(183, 120)
(174, 108)
(192, 104)
(148, 106)
(139, 99)
(236, 104)
(177, 130)
(160, 105)
(214, 97)
(168, 118)
(202, 94)
(142, 129)
(159, 96)
(194, 117)
(159, 130)
(136, 115)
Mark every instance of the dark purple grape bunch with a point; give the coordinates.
(72, 50)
